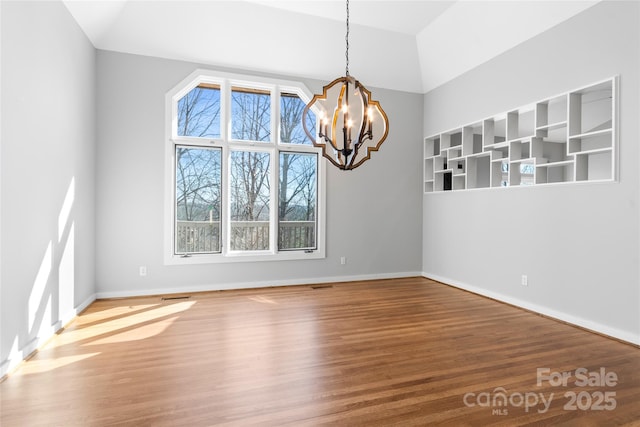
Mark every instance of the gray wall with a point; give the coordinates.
(48, 139)
(578, 244)
(381, 199)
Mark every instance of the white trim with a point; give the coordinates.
(227, 81)
(15, 358)
(255, 285)
(546, 311)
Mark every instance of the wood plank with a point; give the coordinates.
(388, 352)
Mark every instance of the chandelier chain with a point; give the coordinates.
(346, 38)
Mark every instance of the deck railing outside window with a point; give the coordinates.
(204, 236)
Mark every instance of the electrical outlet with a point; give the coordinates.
(143, 270)
(525, 280)
(343, 260)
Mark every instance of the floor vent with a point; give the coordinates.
(321, 286)
(175, 298)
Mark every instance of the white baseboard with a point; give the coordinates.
(546, 311)
(250, 285)
(18, 355)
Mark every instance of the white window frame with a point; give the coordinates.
(226, 81)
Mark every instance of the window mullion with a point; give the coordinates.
(225, 132)
(225, 110)
(226, 199)
(275, 177)
(275, 170)
(275, 117)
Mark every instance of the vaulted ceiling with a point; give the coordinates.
(411, 46)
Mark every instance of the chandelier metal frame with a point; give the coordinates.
(353, 103)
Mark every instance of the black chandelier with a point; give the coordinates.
(348, 120)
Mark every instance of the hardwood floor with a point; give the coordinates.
(391, 352)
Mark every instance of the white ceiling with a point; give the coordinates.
(412, 46)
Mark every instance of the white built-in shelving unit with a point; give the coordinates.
(563, 139)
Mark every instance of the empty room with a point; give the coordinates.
(332, 212)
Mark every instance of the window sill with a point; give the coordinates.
(242, 257)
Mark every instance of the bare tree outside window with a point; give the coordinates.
(198, 199)
(291, 130)
(199, 182)
(250, 115)
(297, 201)
(199, 112)
(198, 173)
(250, 200)
(297, 181)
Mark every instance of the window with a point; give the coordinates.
(243, 182)
(250, 200)
(297, 203)
(198, 201)
(250, 114)
(199, 112)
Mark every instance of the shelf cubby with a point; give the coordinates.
(442, 181)
(428, 169)
(549, 151)
(478, 171)
(570, 137)
(594, 166)
(557, 172)
(520, 149)
(551, 112)
(458, 182)
(592, 141)
(472, 139)
(556, 132)
(428, 186)
(591, 108)
(440, 162)
(494, 131)
(500, 173)
(451, 139)
(432, 146)
(521, 123)
(454, 153)
(522, 172)
(457, 166)
(499, 151)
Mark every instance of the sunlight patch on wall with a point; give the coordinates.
(66, 276)
(38, 288)
(67, 205)
(14, 357)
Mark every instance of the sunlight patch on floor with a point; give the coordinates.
(141, 315)
(39, 365)
(262, 299)
(139, 333)
(93, 314)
